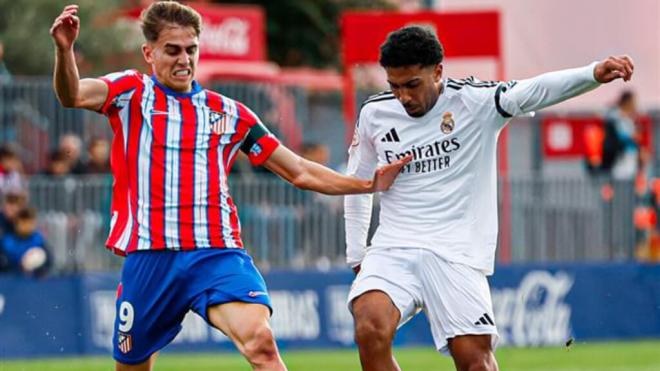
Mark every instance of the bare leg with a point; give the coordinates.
(247, 326)
(376, 320)
(144, 366)
(473, 353)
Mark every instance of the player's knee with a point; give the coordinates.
(369, 333)
(260, 348)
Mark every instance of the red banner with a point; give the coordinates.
(473, 34)
(229, 32)
(573, 137)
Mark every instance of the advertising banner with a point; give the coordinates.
(534, 305)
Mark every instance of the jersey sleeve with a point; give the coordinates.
(259, 144)
(517, 98)
(362, 162)
(118, 84)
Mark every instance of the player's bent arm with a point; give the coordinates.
(73, 92)
(311, 176)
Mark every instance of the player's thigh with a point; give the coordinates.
(457, 301)
(151, 304)
(386, 290)
(241, 321)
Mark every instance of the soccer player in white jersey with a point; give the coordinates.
(172, 214)
(436, 240)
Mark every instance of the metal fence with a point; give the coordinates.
(550, 220)
(33, 120)
(568, 219)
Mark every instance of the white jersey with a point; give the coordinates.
(445, 199)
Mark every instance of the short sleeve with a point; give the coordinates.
(119, 83)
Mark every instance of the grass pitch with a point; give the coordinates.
(624, 356)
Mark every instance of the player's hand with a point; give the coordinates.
(612, 68)
(386, 175)
(66, 27)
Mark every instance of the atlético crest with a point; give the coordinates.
(124, 342)
(447, 124)
(218, 122)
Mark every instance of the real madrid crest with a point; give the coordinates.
(447, 124)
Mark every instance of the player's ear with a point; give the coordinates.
(437, 72)
(147, 52)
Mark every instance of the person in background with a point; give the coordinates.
(11, 171)
(5, 75)
(12, 202)
(98, 162)
(621, 150)
(25, 247)
(70, 146)
(58, 164)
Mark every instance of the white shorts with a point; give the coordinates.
(454, 297)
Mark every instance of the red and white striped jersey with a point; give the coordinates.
(171, 156)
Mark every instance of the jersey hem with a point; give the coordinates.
(123, 253)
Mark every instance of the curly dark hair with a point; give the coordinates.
(410, 46)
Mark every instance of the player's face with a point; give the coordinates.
(416, 87)
(173, 57)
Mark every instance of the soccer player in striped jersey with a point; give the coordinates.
(436, 240)
(172, 215)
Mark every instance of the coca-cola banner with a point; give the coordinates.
(539, 305)
(230, 32)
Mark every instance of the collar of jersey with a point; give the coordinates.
(196, 88)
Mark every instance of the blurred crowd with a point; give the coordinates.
(621, 152)
(23, 248)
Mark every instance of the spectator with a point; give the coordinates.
(12, 202)
(25, 247)
(315, 152)
(70, 145)
(5, 75)
(99, 157)
(621, 153)
(58, 164)
(11, 170)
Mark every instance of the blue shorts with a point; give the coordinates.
(159, 287)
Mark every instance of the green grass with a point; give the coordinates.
(636, 356)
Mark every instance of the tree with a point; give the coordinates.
(307, 32)
(29, 49)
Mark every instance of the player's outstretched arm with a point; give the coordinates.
(311, 176)
(70, 90)
(550, 88)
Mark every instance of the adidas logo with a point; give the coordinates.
(485, 320)
(391, 136)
